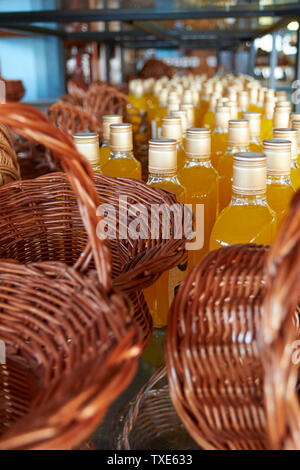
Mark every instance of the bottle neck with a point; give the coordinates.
(191, 162)
(155, 178)
(105, 143)
(220, 130)
(235, 148)
(115, 155)
(254, 139)
(248, 200)
(279, 179)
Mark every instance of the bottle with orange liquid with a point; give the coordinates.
(238, 141)
(171, 128)
(107, 120)
(254, 130)
(281, 117)
(183, 117)
(201, 182)
(279, 186)
(121, 161)
(163, 174)
(209, 117)
(248, 217)
(87, 143)
(136, 95)
(267, 120)
(291, 135)
(220, 134)
(189, 109)
(243, 102)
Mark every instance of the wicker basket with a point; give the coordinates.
(9, 168)
(71, 344)
(59, 234)
(279, 339)
(72, 119)
(214, 366)
(100, 100)
(151, 422)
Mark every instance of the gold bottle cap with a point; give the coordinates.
(284, 104)
(254, 123)
(249, 173)
(183, 116)
(162, 158)
(296, 125)
(269, 106)
(163, 96)
(278, 153)
(107, 120)
(291, 135)
(281, 95)
(232, 94)
(243, 100)
(233, 109)
(189, 108)
(253, 93)
(238, 133)
(171, 128)
(198, 143)
(172, 96)
(294, 117)
(121, 137)
(187, 97)
(281, 117)
(222, 116)
(87, 143)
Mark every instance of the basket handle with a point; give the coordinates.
(279, 331)
(35, 126)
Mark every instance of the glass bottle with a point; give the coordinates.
(163, 174)
(87, 143)
(201, 183)
(121, 161)
(107, 120)
(220, 134)
(279, 187)
(248, 217)
(291, 135)
(171, 128)
(238, 141)
(254, 130)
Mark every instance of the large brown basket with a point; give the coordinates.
(151, 422)
(41, 222)
(214, 366)
(71, 342)
(279, 339)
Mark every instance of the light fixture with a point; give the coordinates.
(293, 26)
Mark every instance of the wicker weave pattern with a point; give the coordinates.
(214, 369)
(72, 344)
(72, 119)
(279, 352)
(9, 168)
(101, 100)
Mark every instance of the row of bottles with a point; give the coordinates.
(243, 171)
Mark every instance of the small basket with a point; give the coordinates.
(215, 369)
(100, 100)
(71, 345)
(72, 119)
(151, 422)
